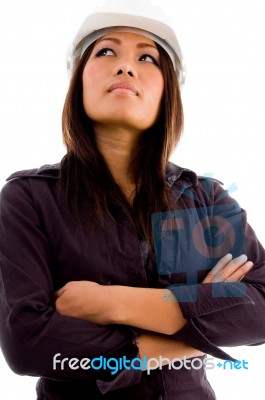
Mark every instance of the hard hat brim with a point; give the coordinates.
(164, 35)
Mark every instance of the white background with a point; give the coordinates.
(223, 42)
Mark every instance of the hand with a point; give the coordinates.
(229, 270)
(83, 299)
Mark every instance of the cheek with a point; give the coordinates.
(88, 76)
(156, 94)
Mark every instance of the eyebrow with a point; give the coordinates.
(118, 41)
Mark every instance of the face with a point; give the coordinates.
(122, 82)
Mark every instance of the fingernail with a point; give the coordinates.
(243, 257)
(250, 265)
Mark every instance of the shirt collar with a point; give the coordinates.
(173, 173)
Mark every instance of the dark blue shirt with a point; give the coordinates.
(41, 249)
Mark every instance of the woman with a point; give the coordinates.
(93, 260)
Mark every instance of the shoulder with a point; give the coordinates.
(49, 171)
(195, 190)
(176, 173)
(19, 184)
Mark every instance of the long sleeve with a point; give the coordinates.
(219, 314)
(31, 331)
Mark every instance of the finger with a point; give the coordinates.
(217, 268)
(239, 274)
(222, 263)
(59, 292)
(230, 268)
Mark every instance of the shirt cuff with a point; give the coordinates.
(207, 298)
(194, 337)
(198, 300)
(126, 377)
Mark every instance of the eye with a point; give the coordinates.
(106, 52)
(149, 58)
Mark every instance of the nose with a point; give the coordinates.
(125, 69)
(120, 72)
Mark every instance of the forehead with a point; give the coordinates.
(129, 35)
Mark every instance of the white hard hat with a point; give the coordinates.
(100, 23)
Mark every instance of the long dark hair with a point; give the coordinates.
(85, 177)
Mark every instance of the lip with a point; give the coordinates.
(123, 88)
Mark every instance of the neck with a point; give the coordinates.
(118, 147)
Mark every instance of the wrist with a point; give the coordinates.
(112, 304)
(120, 304)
